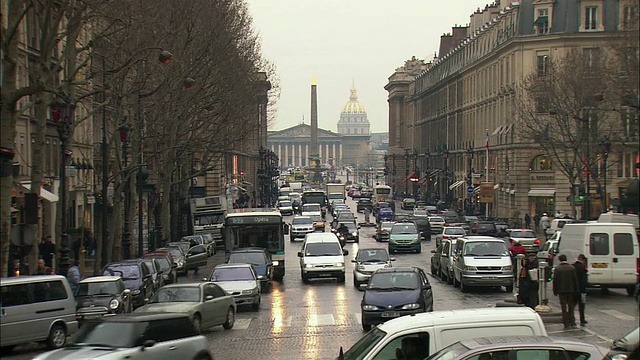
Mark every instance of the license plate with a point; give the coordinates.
(389, 314)
(599, 265)
(324, 275)
(490, 277)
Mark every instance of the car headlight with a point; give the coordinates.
(369, 307)
(308, 265)
(354, 234)
(113, 304)
(507, 268)
(340, 264)
(470, 268)
(411, 306)
(276, 262)
(360, 267)
(415, 239)
(250, 292)
(620, 357)
(387, 265)
(180, 263)
(135, 292)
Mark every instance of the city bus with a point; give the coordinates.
(382, 193)
(254, 227)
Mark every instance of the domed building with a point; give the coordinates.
(355, 129)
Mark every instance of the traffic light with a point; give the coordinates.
(580, 193)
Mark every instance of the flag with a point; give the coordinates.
(487, 139)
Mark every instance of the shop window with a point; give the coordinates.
(541, 163)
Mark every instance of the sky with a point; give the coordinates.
(345, 41)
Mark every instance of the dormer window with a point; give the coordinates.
(542, 21)
(591, 18)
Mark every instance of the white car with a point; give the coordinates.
(367, 261)
(301, 226)
(285, 207)
(450, 232)
(322, 256)
(239, 280)
(437, 224)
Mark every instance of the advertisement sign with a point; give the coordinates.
(486, 192)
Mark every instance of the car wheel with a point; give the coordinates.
(419, 250)
(433, 270)
(195, 271)
(197, 323)
(631, 290)
(464, 288)
(305, 278)
(449, 278)
(231, 319)
(355, 282)
(456, 283)
(57, 337)
(256, 306)
(509, 288)
(341, 278)
(365, 326)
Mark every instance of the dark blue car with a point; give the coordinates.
(395, 292)
(385, 214)
(258, 259)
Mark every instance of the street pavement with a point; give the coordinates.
(298, 321)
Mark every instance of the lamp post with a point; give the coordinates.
(406, 172)
(605, 145)
(143, 174)
(470, 153)
(445, 152)
(427, 155)
(126, 234)
(62, 113)
(386, 169)
(416, 177)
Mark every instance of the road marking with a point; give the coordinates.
(618, 314)
(358, 318)
(603, 338)
(241, 324)
(321, 320)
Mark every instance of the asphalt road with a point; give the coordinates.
(298, 321)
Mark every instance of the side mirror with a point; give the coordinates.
(261, 277)
(300, 254)
(146, 276)
(392, 259)
(126, 292)
(353, 260)
(208, 297)
(345, 252)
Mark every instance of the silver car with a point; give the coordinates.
(239, 280)
(167, 336)
(367, 261)
(206, 304)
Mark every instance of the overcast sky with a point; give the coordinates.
(343, 40)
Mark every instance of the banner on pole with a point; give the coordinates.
(486, 192)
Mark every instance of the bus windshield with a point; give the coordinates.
(265, 236)
(208, 219)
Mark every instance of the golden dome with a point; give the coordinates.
(353, 106)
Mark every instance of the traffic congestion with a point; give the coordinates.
(387, 270)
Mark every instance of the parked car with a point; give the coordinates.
(395, 292)
(445, 272)
(206, 304)
(364, 204)
(167, 265)
(627, 346)
(408, 204)
(239, 280)
(98, 296)
(383, 229)
(136, 276)
(129, 335)
(178, 257)
(301, 226)
(367, 261)
(259, 259)
(450, 232)
(404, 236)
(519, 347)
(526, 238)
(156, 272)
(183, 245)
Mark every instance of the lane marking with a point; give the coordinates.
(241, 324)
(358, 318)
(618, 314)
(325, 320)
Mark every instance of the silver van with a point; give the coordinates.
(481, 261)
(36, 308)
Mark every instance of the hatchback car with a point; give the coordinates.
(285, 207)
(300, 227)
(404, 236)
(395, 292)
(206, 304)
(136, 276)
(485, 228)
(167, 265)
(127, 335)
(364, 204)
(259, 259)
(519, 347)
(450, 232)
(178, 258)
(627, 346)
(408, 204)
(383, 229)
(437, 224)
(99, 296)
(367, 261)
(239, 280)
(526, 238)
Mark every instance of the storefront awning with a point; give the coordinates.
(542, 192)
(496, 186)
(45, 194)
(456, 184)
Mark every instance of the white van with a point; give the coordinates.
(612, 217)
(37, 308)
(438, 329)
(322, 256)
(611, 250)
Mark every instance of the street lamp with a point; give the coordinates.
(470, 153)
(126, 234)
(416, 177)
(447, 191)
(605, 145)
(62, 113)
(406, 172)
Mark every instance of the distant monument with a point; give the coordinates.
(314, 154)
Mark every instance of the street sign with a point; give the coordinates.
(469, 191)
(486, 192)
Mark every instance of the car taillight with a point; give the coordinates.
(537, 241)
(511, 241)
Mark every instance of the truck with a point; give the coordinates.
(207, 216)
(335, 191)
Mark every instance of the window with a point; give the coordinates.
(412, 346)
(591, 18)
(542, 64)
(599, 244)
(629, 16)
(591, 57)
(541, 354)
(622, 244)
(541, 163)
(542, 21)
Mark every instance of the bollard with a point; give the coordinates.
(543, 307)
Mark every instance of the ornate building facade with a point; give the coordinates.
(354, 127)
(291, 145)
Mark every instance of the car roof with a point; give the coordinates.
(143, 317)
(248, 250)
(126, 262)
(401, 269)
(184, 284)
(320, 238)
(96, 279)
(518, 341)
(232, 265)
(30, 278)
(465, 317)
(481, 238)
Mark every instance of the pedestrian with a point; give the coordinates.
(558, 214)
(545, 223)
(43, 269)
(73, 275)
(565, 287)
(527, 221)
(528, 281)
(47, 250)
(581, 295)
(536, 221)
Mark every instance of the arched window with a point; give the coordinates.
(541, 163)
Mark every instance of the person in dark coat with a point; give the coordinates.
(529, 286)
(536, 221)
(527, 221)
(581, 295)
(47, 251)
(565, 287)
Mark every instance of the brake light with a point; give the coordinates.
(537, 241)
(511, 241)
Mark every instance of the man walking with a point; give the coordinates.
(581, 295)
(47, 251)
(536, 221)
(565, 287)
(73, 276)
(527, 221)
